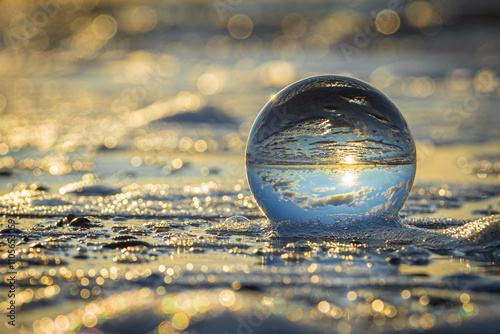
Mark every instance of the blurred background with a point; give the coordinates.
(134, 91)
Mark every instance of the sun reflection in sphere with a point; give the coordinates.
(349, 179)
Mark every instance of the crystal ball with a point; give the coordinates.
(330, 149)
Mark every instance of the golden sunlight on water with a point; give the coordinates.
(123, 128)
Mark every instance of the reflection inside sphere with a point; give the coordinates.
(330, 148)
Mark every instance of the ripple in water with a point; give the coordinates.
(330, 151)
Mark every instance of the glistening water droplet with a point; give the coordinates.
(330, 149)
(236, 220)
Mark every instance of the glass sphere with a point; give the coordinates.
(327, 149)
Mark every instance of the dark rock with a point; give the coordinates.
(250, 287)
(81, 256)
(66, 220)
(125, 244)
(124, 237)
(79, 222)
(12, 231)
(5, 172)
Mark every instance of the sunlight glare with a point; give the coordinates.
(349, 179)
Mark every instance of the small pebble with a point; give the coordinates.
(79, 222)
